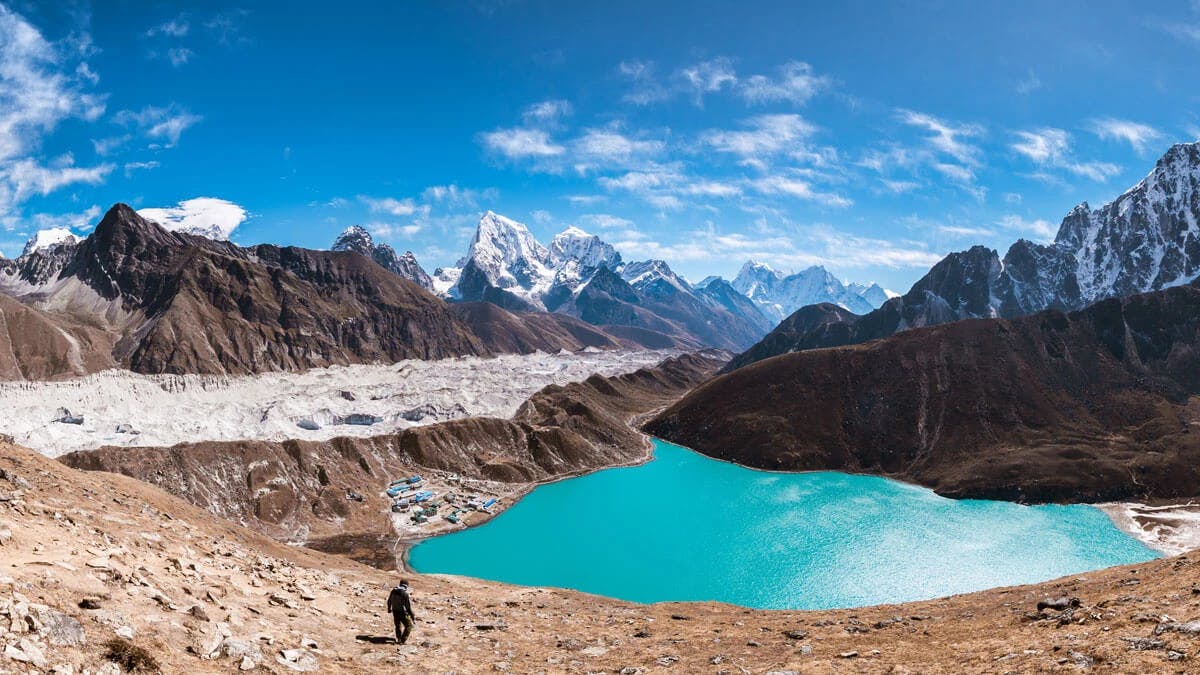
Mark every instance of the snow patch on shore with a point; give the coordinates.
(1170, 529)
(360, 400)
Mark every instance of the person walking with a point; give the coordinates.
(399, 603)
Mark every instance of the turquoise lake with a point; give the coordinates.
(687, 527)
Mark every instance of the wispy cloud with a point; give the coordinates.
(390, 205)
(707, 77)
(40, 87)
(521, 143)
(1037, 229)
(948, 138)
(1138, 136)
(165, 124)
(796, 83)
(761, 136)
(1051, 148)
(1028, 84)
(175, 28)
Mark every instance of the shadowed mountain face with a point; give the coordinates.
(1094, 405)
(169, 302)
(1144, 240)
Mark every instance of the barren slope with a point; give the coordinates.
(90, 555)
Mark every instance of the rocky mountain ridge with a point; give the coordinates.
(1147, 239)
(357, 239)
(1100, 404)
(168, 302)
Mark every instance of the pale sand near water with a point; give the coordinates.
(169, 409)
(1170, 529)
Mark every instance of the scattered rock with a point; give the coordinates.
(1142, 644)
(64, 416)
(848, 655)
(1058, 604)
(89, 603)
(247, 663)
(58, 628)
(1188, 628)
(793, 634)
(198, 612)
(299, 660)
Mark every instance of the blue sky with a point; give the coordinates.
(870, 138)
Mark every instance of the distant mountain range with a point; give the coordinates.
(580, 275)
(135, 295)
(1146, 239)
(778, 294)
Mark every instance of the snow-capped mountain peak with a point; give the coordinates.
(779, 295)
(354, 238)
(643, 273)
(48, 238)
(590, 251)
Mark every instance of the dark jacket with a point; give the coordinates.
(399, 602)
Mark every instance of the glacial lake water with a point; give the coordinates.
(687, 527)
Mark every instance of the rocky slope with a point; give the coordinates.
(1145, 240)
(169, 302)
(1094, 405)
(300, 490)
(37, 346)
(358, 240)
(100, 568)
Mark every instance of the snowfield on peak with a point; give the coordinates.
(44, 239)
(128, 409)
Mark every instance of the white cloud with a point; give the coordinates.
(546, 111)
(965, 232)
(946, 137)
(707, 77)
(1138, 136)
(80, 221)
(585, 200)
(605, 221)
(1029, 84)
(178, 56)
(28, 178)
(176, 28)
(453, 194)
(814, 245)
(163, 123)
(520, 143)
(798, 188)
(899, 186)
(392, 230)
(764, 135)
(1038, 229)
(36, 92)
(796, 83)
(130, 167)
(646, 87)
(390, 205)
(610, 147)
(1049, 147)
(199, 213)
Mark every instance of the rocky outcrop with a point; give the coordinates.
(297, 490)
(1094, 405)
(356, 239)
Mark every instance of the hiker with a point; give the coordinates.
(400, 605)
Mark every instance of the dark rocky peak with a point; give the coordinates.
(355, 238)
(964, 280)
